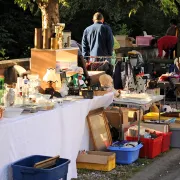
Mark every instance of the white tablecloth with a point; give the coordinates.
(56, 132)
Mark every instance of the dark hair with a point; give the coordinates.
(153, 42)
(98, 16)
(173, 21)
(10, 75)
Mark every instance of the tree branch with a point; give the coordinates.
(42, 5)
(177, 4)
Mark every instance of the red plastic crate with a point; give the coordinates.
(151, 147)
(166, 141)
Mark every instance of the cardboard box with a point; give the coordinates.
(95, 76)
(122, 118)
(116, 116)
(133, 114)
(158, 127)
(97, 160)
(124, 41)
(155, 91)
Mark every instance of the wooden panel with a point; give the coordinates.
(67, 54)
(95, 76)
(41, 59)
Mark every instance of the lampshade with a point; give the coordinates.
(50, 75)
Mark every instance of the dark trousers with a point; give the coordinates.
(172, 52)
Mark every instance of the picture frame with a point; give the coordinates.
(46, 163)
(99, 129)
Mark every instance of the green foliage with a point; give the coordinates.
(16, 30)
(5, 37)
(135, 7)
(23, 3)
(124, 30)
(149, 18)
(3, 54)
(30, 3)
(124, 16)
(166, 6)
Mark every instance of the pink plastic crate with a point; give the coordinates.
(143, 40)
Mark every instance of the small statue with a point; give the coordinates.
(9, 97)
(79, 79)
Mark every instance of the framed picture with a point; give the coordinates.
(99, 129)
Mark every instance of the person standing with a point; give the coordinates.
(81, 62)
(97, 39)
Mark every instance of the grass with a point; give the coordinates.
(121, 172)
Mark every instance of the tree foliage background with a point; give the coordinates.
(129, 17)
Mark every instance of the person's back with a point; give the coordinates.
(97, 39)
(166, 43)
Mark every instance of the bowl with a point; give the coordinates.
(11, 112)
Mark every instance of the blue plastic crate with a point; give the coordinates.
(126, 155)
(24, 170)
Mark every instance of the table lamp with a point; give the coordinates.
(50, 77)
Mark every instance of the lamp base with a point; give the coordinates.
(49, 90)
(52, 92)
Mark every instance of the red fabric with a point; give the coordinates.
(79, 77)
(166, 43)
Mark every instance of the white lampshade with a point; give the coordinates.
(50, 75)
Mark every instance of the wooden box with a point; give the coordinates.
(97, 160)
(123, 40)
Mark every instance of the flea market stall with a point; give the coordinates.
(54, 121)
(58, 131)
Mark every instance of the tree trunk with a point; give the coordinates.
(50, 14)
